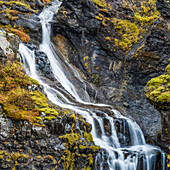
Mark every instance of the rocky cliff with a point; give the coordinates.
(117, 45)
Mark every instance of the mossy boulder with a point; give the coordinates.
(158, 90)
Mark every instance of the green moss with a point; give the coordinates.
(128, 33)
(18, 102)
(167, 69)
(49, 117)
(71, 137)
(10, 3)
(88, 136)
(158, 89)
(101, 3)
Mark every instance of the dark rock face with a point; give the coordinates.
(29, 146)
(119, 73)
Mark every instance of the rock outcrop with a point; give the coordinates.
(158, 93)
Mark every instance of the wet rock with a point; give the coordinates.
(43, 64)
(107, 126)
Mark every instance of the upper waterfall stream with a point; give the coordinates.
(125, 147)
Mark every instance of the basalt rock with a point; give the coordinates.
(118, 50)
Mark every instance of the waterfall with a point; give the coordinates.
(123, 146)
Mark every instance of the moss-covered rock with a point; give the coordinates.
(101, 3)
(158, 93)
(158, 89)
(78, 146)
(18, 102)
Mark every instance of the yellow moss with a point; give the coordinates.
(168, 156)
(156, 82)
(50, 157)
(49, 117)
(19, 103)
(39, 157)
(10, 3)
(71, 137)
(164, 97)
(74, 117)
(158, 90)
(147, 12)
(108, 38)
(3, 153)
(167, 69)
(100, 3)
(88, 136)
(128, 32)
(99, 18)
(16, 155)
(104, 10)
(87, 63)
(94, 148)
(90, 158)
(23, 36)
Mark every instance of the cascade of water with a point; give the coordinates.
(124, 146)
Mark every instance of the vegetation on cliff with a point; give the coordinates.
(158, 89)
(78, 145)
(128, 30)
(20, 103)
(21, 99)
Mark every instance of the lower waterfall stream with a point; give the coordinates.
(126, 150)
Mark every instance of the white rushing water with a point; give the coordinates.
(124, 146)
